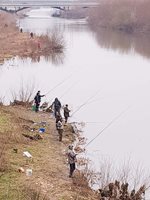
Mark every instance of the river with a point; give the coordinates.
(112, 68)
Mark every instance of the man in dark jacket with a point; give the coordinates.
(71, 160)
(66, 113)
(37, 100)
(57, 106)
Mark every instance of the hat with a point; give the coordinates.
(70, 146)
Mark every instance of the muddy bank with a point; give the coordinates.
(13, 42)
(49, 166)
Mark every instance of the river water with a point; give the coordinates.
(109, 72)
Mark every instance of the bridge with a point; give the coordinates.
(47, 3)
(14, 6)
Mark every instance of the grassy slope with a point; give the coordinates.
(49, 164)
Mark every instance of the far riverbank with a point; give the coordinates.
(14, 42)
(126, 16)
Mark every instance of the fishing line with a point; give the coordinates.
(86, 102)
(59, 84)
(107, 126)
(94, 122)
(66, 91)
(96, 100)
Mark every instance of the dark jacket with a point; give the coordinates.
(66, 111)
(57, 104)
(37, 98)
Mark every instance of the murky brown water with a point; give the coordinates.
(113, 66)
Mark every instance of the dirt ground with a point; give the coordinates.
(49, 163)
(15, 43)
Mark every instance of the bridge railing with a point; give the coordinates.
(46, 3)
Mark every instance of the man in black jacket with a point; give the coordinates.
(57, 106)
(37, 100)
(66, 113)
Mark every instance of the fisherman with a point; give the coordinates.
(66, 113)
(58, 117)
(31, 35)
(71, 159)
(37, 100)
(39, 45)
(60, 129)
(57, 106)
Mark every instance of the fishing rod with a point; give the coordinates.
(94, 122)
(107, 126)
(59, 84)
(65, 91)
(96, 100)
(68, 89)
(88, 122)
(93, 101)
(85, 103)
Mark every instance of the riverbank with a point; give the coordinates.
(48, 163)
(126, 16)
(72, 13)
(13, 42)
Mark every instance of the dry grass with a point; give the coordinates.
(3, 161)
(13, 43)
(49, 164)
(30, 193)
(2, 99)
(127, 15)
(127, 182)
(8, 136)
(50, 173)
(24, 96)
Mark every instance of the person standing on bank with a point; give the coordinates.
(60, 129)
(66, 113)
(57, 106)
(37, 100)
(71, 160)
(58, 117)
(31, 35)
